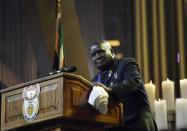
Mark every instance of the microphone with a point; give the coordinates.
(68, 69)
(64, 69)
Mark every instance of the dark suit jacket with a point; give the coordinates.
(127, 87)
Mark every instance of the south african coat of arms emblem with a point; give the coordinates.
(31, 103)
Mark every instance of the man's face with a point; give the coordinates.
(101, 57)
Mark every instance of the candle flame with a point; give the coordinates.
(167, 79)
(151, 82)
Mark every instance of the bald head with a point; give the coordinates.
(102, 54)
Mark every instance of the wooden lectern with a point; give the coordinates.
(63, 106)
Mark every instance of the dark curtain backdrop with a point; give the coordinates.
(24, 55)
(118, 24)
(15, 46)
(91, 22)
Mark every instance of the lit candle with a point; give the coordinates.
(150, 89)
(161, 114)
(168, 93)
(181, 113)
(183, 88)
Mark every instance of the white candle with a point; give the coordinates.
(183, 88)
(150, 89)
(181, 113)
(168, 93)
(161, 114)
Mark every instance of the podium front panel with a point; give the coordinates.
(50, 104)
(63, 98)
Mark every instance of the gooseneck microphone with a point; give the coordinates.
(68, 69)
(64, 69)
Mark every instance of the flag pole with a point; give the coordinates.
(58, 61)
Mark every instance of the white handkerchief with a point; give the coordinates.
(99, 99)
(94, 94)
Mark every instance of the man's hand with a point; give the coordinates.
(100, 84)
